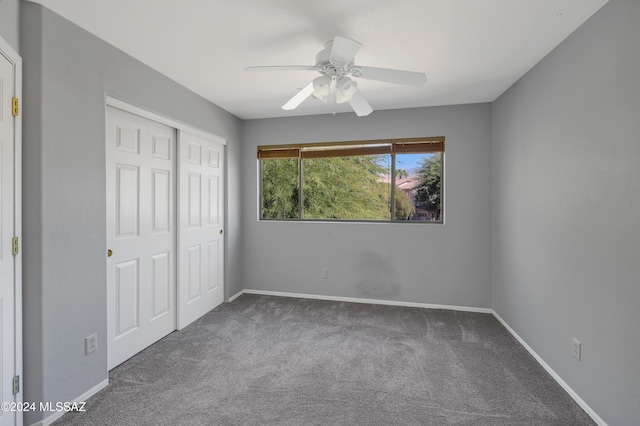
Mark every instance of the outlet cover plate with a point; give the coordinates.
(576, 349)
(90, 344)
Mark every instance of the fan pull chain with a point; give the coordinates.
(335, 95)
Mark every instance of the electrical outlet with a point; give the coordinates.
(324, 273)
(576, 349)
(90, 344)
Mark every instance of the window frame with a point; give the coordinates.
(391, 147)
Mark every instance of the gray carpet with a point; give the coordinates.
(264, 360)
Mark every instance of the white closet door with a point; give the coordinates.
(141, 234)
(200, 227)
(7, 261)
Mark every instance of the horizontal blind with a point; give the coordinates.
(418, 147)
(346, 151)
(268, 153)
(352, 148)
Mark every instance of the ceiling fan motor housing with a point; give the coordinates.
(329, 66)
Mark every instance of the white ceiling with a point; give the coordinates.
(471, 50)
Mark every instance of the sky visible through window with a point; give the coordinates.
(410, 162)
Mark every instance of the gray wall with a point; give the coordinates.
(67, 72)
(566, 185)
(9, 22)
(561, 171)
(427, 263)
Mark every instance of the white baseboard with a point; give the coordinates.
(82, 398)
(553, 374)
(235, 296)
(368, 301)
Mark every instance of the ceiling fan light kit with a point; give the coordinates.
(335, 63)
(345, 89)
(322, 87)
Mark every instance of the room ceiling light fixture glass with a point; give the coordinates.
(322, 87)
(345, 89)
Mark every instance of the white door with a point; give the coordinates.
(8, 261)
(200, 227)
(141, 233)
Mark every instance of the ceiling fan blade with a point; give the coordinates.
(299, 97)
(407, 78)
(344, 49)
(360, 105)
(284, 68)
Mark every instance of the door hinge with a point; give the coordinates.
(16, 385)
(15, 106)
(15, 246)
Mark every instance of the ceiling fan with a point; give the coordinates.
(335, 63)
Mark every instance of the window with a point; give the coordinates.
(386, 180)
